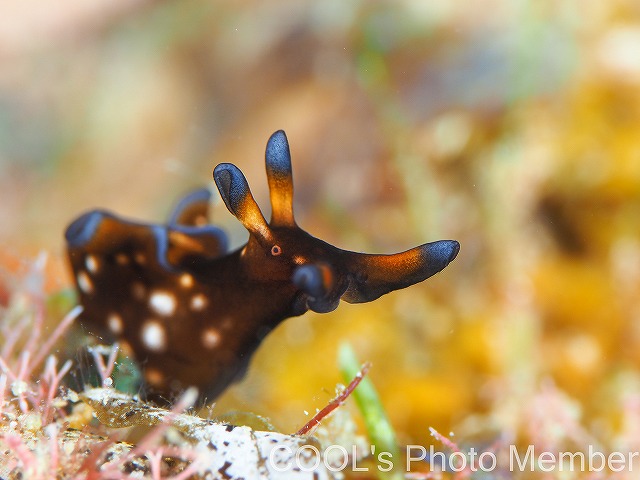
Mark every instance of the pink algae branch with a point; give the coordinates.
(336, 402)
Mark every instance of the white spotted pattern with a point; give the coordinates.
(138, 291)
(186, 280)
(114, 322)
(154, 336)
(227, 323)
(153, 376)
(198, 302)
(91, 263)
(84, 282)
(122, 259)
(163, 303)
(210, 338)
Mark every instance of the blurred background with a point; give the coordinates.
(512, 126)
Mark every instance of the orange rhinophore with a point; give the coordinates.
(193, 313)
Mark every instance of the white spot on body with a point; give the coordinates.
(154, 336)
(122, 259)
(153, 376)
(211, 338)
(91, 262)
(163, 303)
(186, 280)
(138, 291)
(227, 323)
(114, 322)
(299, 260)
(198, 302)
(84, 282)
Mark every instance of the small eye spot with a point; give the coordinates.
(84, 282)
(91, 262)
(140, 258)
(186, 280)
(198, 302)
(163, 303)
(210, 338)
(276, 250)
(154, 377)
(114, 322)
(154, 336)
